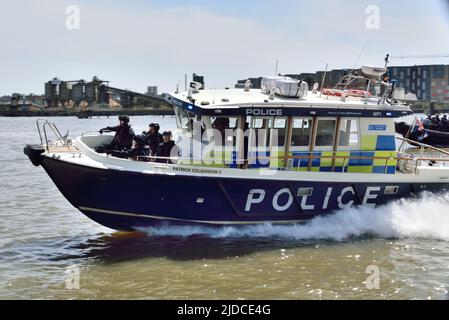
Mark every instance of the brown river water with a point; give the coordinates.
(44, 241)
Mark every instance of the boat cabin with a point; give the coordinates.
(252, 128)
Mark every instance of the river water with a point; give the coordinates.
(44, 241)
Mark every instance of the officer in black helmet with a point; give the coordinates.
(444, 124)
(123, 138)
(152, 137)
(167, 149)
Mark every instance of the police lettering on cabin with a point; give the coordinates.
(176, 102)
(264, 112)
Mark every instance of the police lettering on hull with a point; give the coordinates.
(313, 199)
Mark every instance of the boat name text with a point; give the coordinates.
(197, 170)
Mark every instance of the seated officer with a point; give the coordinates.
(444, 124)
(123, 138)
(139, 150)
(167, 149)
(153, 138)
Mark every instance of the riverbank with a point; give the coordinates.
(59, 112)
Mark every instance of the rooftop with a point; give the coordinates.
(239, 98)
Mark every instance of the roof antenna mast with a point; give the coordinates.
(324, 78)
(277, 66)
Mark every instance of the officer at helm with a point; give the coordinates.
(123, 138)
(153, 138)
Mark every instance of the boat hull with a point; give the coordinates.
(430, 137)
(126, 200)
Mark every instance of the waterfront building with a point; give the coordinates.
(152, 91)
(428, 83)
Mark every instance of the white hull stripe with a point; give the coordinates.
(128, 214)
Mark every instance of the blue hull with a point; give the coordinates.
(127, 200)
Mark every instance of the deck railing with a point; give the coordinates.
(42, 126)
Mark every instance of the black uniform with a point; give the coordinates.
(167, 150)
(153, 141)
(140, 151)
(123, 137)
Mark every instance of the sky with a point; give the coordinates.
(135, 44)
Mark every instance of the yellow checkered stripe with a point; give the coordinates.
(346, 161)
(372, 146)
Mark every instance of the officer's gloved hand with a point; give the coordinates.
(101, 131)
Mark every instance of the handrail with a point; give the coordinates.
(347, 157)
(408, 133)
(424, 145)
(38, 121)
(88, 133)
(308, 158)
(151, 158)
(55, 131)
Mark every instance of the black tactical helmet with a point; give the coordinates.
(155, 126)
(125, 119)
(167, 133)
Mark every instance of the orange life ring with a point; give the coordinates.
(348, 93)
(332, 92)
(359, 93)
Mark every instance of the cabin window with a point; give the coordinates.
(224, 122)
(349, 133)
(259, 132)
(278, 132)
(185, 120)
(268, 131)
(226, 126)
(301, 132)
(325, 132)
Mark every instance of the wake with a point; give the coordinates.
(425, 217)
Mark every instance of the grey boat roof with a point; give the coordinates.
(241, 102)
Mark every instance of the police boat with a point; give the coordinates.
(279, 154)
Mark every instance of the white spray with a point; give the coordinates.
(425, 217)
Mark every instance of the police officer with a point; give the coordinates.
(445, 124)
(139, 150)
(153, 138)
(123, 138)
(167, 149)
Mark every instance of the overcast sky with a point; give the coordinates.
(139, 43)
